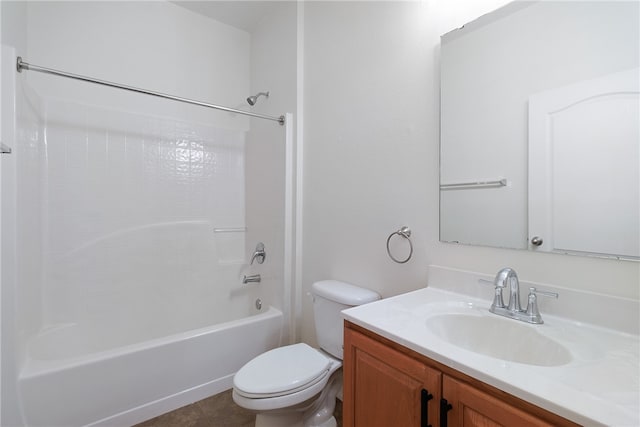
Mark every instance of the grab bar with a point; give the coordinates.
(230, 230)
(502, 182)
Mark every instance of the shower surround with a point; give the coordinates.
(140, 213)
(129, 214)
(143, 247)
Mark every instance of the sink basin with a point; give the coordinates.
(499, 338)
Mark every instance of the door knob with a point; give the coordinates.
(536, 241)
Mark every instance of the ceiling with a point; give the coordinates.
(237, 13)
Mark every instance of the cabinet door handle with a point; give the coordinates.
(425, 397)
(444, 408)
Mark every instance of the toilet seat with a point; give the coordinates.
(294, 398)
(282, 371)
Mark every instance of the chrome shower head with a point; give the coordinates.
(253, 99)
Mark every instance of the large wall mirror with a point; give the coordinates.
(540, 129)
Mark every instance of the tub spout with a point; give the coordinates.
(255, 278)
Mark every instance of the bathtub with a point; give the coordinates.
(68, 379)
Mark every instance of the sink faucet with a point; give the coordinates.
(507, 278)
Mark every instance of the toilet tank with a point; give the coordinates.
(330, 297)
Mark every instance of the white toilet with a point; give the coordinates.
(296, 385)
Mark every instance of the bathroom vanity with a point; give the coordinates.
(436, 357)
(387, 384)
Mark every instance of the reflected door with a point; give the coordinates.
(587, 202)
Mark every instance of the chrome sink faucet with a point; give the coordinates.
(507, 277)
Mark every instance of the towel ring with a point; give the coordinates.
(406, 233)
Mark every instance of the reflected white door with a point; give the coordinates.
(584, 167)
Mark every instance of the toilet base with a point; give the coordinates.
(315, 412)
(331, 422)
(289, 420)
(266, 421)
(279, 420)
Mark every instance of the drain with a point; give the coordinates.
(259, 304)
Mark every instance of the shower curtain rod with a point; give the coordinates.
(21, 65)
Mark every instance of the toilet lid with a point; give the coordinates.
(281, 370)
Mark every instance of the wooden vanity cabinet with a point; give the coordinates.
(385, 387)
(389, 385)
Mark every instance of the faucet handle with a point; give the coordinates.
(532, 304)
(536, 291)
(498, 302)
(259, 253)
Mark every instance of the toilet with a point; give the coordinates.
(296, 385)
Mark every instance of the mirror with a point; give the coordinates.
(540, 129)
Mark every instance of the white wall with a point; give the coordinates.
(371, 155)
(14, 25)
(153, 45)
(368, 158)
(273, 69)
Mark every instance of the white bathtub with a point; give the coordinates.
(69, 380)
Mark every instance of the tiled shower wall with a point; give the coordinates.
(28, 211)
(143, 216)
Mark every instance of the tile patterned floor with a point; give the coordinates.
(215, 411)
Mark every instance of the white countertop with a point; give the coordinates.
(599, 386)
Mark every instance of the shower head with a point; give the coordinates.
(253, 99)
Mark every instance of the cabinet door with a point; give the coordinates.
(384, 387)
(474, 408)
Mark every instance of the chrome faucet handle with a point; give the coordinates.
(532, 304)
(498, 301)
(536, 291)
(259, 253)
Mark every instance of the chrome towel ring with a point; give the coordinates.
(406, 233)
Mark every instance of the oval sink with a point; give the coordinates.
(499, 338)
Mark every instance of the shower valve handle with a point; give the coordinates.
(259, 254)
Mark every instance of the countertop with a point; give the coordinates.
(599, 386)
